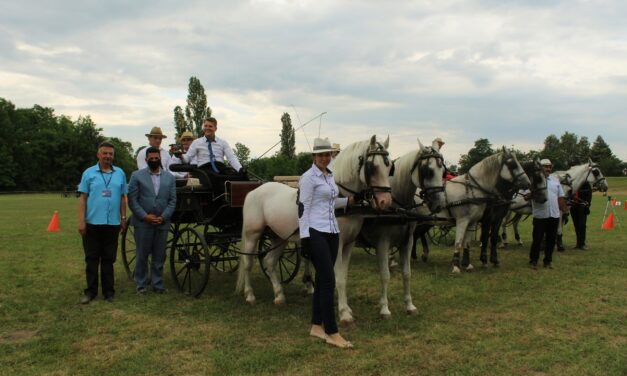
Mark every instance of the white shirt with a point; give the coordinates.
(549, 209)
(199, 149)
(156, 180)
(165, 159)
(174, 161)
(317, 202)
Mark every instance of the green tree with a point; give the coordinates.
(288, 139)
(583, 150)
(196, 110)
(551, 151)
(481, 150)
(601, 153)
(242, 152)
(180, 125)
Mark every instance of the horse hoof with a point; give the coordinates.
(424, 258)
(469, 268)
(250, 301)
(347, 323)
(456, 270)
(385, 316)
(412, 312)
(279, 301)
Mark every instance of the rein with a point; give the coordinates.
(368, 166)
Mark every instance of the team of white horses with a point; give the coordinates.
(364, 168)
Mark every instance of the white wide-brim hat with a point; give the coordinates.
(322, 145)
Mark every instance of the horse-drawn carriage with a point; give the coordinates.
(205, 232)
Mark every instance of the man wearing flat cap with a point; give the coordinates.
(154, 140)
(546, 218)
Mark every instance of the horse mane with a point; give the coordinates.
(402, 176)
(346, 165)
(577, 173)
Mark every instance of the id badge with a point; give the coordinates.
(106, 193)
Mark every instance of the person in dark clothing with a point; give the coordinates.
(579, 210)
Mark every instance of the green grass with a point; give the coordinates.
(511, 320)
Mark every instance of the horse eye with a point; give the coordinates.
(595, 173)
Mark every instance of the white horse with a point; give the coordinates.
(422, 168)
(468, 195)
(362, 167)
(571, 181)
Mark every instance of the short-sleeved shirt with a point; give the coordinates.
(549, 209)
(103, 208)
(318, 199)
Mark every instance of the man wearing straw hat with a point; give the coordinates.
(154, 140)
(185, 140)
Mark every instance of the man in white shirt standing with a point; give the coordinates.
(546, 218)
(154, 140)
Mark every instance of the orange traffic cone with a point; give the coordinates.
(54, 222)
(609, 222)
(613, 202)
(625, 204)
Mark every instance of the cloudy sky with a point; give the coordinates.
(510, 71)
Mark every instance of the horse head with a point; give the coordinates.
(536, 174)
(374, 172)
(512, 171)
(595, 177)
(427, 173)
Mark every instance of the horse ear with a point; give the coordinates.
(387, 142)
(373, 140)
(590, 161)
(422, 147)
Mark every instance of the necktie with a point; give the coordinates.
(212, 158)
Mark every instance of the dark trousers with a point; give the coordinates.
(543, 227)
(324, 248)
(100, 244)
(579, 214)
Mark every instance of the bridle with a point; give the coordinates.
(366, 162)
(537, 174)
(510, 162)
(594, 170)
(422, 163)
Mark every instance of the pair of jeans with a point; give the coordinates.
(323, 252)
(543, 227)
(151, 242)
(100, 245)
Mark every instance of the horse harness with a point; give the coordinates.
(367, 163)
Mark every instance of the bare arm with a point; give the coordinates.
(82, 205)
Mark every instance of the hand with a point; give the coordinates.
(305, 248)
(351, 201)
(122, 224)
(150, 218)
(242, 171)
(82, 228)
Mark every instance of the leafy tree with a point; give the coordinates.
(601, 153)
(288, 139)
(179, 122)
(551, 151)
(481, 150)
(583, 150)
(242, 152)
(196, 110)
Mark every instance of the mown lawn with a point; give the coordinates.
(511, 320)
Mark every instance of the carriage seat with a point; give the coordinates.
(237, 190)
(201, 178)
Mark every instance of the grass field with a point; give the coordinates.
(568, 321)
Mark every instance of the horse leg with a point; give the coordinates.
(423, 239)
(245, 266)
(414, 254)
(466, 255)
(558, 239)
(270, 262)
(403, 254)
(382, 248)
(485, 235)
(494, 238)
(341, 274)
(504, 242)
(308, 286)
(460, 232)
(515, 223)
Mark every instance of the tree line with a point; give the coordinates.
(564, 152)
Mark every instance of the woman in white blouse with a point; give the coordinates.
(319, 233)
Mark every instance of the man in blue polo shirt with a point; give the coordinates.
(101, 216)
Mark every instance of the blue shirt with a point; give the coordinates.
(319, 199)
(103, 208)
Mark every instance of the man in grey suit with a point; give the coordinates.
(152, 198)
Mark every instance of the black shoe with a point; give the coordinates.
(561, 249)
(110, 298)
(533, 265)
(141, 291)
(159, 291)
(548, 266)
(85, 299)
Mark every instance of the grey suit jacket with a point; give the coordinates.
(142, 199)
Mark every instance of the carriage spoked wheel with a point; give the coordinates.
(373, 252)
(190, 261)
(443, 235)
(128, 249)
(289, 262)
(223, 248)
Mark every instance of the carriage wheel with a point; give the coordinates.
(128, 249)
(189, 262)
(442, 235)
(224, 249)
(289, 262)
